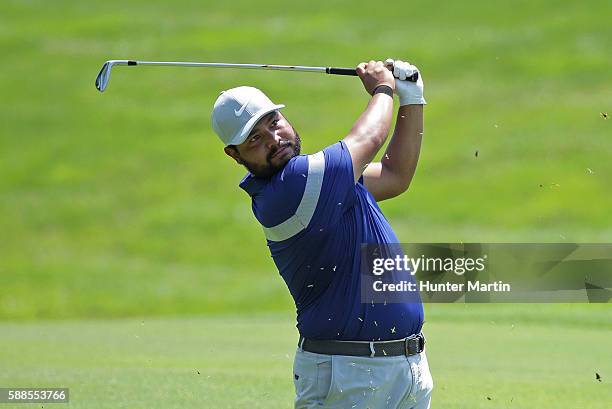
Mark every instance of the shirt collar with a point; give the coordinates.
(252, 184)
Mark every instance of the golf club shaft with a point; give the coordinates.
(328, 70)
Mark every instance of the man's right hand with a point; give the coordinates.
(373, 74)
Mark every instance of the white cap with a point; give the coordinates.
(237, 111)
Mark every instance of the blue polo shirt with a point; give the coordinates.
(316, 218)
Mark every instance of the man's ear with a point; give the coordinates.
(232, 152)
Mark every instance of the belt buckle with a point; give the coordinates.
(407, 349)
(418, 343)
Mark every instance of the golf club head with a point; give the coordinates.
(104, 75)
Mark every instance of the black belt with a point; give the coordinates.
(414, 344)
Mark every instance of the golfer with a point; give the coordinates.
(316, 212)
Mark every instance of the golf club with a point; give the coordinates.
(104, 75)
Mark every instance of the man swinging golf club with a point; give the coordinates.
(316, 211)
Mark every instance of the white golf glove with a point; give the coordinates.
(409, 93)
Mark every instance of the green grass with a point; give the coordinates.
(519, 356)
(123, 203)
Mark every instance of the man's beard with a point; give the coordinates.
(269, 169)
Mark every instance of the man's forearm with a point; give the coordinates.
(374, 122)
(369, 132)
(402, 154)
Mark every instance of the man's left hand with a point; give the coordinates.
(409, 93)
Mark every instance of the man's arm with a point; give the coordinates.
(370, 131)
(392, 176)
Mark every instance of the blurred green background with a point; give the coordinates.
(123, 204)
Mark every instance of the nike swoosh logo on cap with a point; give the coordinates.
(241, 110)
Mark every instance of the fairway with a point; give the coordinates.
(519, 356)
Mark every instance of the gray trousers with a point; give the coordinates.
(349, 382)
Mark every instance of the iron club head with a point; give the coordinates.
(104, 75)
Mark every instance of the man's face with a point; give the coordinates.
(269, 146)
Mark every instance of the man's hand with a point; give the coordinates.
(409, 93)
(373, 74)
